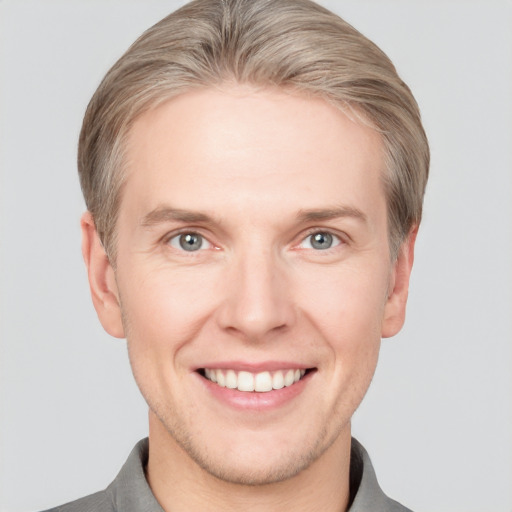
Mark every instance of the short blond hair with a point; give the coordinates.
(295, 44)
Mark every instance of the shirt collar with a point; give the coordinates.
(368, 494)
(130, 491)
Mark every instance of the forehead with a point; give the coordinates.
(240, 146)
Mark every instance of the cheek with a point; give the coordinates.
(164, 309)
(347, 310)
(346, 303)
(345, 307)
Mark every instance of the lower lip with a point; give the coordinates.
(254, 400)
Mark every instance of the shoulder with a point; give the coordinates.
(97, 502)
(365, 490)
(129, 492)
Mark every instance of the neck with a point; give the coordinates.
(179, 484)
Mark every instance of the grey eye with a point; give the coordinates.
(189, 242)
(321, 241)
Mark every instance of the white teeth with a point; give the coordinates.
(245, 381)
(221, 380)
(231, 380)
(260, 382)
(278, 380)
(289, 378)
(263, 382)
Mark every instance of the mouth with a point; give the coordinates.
(261, 382)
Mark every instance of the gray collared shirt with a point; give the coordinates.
(130, 492)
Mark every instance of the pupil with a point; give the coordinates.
(321, 241)
(190, 242)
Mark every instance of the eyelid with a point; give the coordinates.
(186, 231)
(339, 237)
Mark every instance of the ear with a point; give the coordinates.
(102, 282)
(394, 312)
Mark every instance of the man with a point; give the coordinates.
(254, 173)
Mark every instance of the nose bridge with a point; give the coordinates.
(256, 301)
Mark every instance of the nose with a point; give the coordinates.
(257, 298)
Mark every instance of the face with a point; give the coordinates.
(253, 278)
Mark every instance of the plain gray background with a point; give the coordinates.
(438, 418)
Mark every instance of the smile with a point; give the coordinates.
(261, 382)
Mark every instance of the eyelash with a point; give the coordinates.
(336, 239)
(176, 236)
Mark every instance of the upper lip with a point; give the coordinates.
(254, 367)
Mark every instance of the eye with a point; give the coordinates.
(320, 241)
(190, 242)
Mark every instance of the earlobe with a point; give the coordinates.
(394, 313)
(102, 282)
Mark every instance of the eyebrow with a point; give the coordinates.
(163, 214)
(330, 214)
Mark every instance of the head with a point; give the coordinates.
(291, 44)
(254, 172)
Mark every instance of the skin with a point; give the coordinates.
(266, 169)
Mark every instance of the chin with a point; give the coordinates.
(252, 468)
(251, 458)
